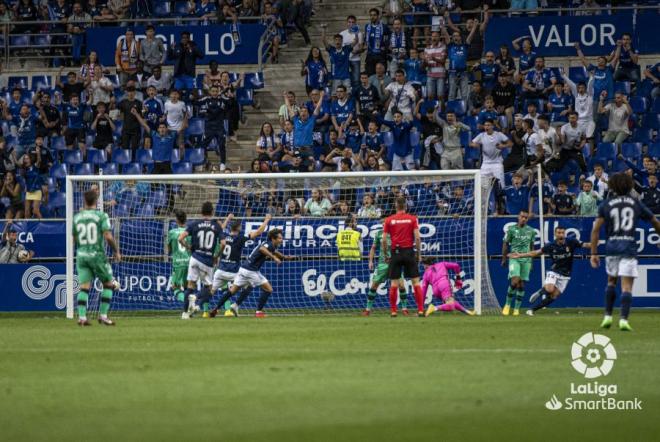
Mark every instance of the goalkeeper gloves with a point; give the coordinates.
(458, 284)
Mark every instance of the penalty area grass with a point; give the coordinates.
(335, 378)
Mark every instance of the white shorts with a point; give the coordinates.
(249, 277)
(220, 277)
(398, 162)
(559, 281)
(198, 271)
(588, 127)
(621, 266)
(495, 170)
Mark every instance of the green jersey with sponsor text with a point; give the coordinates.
(88, 229)
(180, 255)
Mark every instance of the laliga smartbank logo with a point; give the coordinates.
(593, 356)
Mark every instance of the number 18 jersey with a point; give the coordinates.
(621, 215)
(205, 235)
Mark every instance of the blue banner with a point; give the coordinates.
(555, 35)
(296, 285)
(647, 35)
(215, 41)
(44, 238)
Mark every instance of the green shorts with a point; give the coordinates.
(89, 268)
(520, 268)
(381, 274)
(179, 276)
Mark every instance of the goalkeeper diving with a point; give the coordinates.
(436, 275)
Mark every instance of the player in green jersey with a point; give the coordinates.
(520, 238)
(90, 228)
(179, 254)
(380, 273)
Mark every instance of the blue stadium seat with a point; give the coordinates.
(622, 86)
(466, 137)
(57, 201)
(162, 9)
(427, 105)
(57, 144)
(470, 120)
(182, 168)
(654, 150)
(618, 166)
(655, 107)
(42, 82)
(146, 211)
(472, 153)
(456, 106)
(41, 40)
(414, 138)
(131, 169)
(651, 121)
(638, 104)
(121, 156)
(196, 156)
(577, 74)
(122, 211)
(52, 184)
(145, 156)
(83, 169)
(96, 156)
(388, 138)
(109, 169)
(18, 41)
(254, 80)
(59, 171)
(181, 8)
(606, 151)
(73, 157)
(176, 156)
(159, 199)
(195, 127)
(17, 82)
(644, 136)
(245, 97)
(632, 151)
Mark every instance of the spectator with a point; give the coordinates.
(488, 113)
(120, 9)
(268, 146)
(152, 50)
(292, 208)
(341, 209)
(298, 19)
(73, 86)
(59, 12)
(653, 74)
(368, 208)
(99, 88)
(372, 164)
(452, 155)
(8, 159)
(641, 175)
(78, 23)
(161, 81)
(323, 120)
(127, 55)
(414, 69)
(628, 60)
(587, 201)
(43, 158)
(317, 205)
(603, 73)
(12, 190)
(153, 113)
(491, 144)
(162, 145)
(618, 114)
(212, 77)
(139, 79)
(400, 95)
(185, 55)
(457, 53)
(267, 19)
(599, 181)
(33, 193)
(517, 158)
(476, 99)
(435, 57)
(527, 57)
(176, 116)
(587, 8)
(506, 62)
(340, 60)
(517, 195)
(458, 204)
(380, 80)
(303, 126)
(563, 203)
(131, 133)
(573, 139)
(548, 138)
(584, 105)
(399, 44)
(344, 159)
(286, 138)
(26, 130)
(73, 115)
(314, 70)
(532, 114)
(215, 107)
(93, 9)
(342, 111)
(10, 248)
(504, 97)
(372, 143)
(490, 72)
(107, 17)
(206, 10)
(25, 10)
(375, 35)
(367, 100)
(103, 129)
(559, 106)
(401, 152)
(348, 36)
(547, 191)
(539, 81)
(651, 194)
(290, 104)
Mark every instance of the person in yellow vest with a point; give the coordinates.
(349, 241)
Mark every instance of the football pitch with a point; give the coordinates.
(338, 378)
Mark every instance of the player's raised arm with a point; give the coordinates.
(595, 235)
(227, 220)
(262, 228)
(264, 250)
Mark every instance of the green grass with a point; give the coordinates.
(317, 378)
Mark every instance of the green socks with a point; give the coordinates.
(371, 297)
(106, 297)
(82, 304)
(404, 298)
(520, 294)
(179, 295)
(509, 296)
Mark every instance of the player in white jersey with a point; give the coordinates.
(491, 144)
(573, 140)
(584, 105)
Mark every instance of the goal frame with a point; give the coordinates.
(71, 179)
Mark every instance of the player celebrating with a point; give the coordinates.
(379, 275)
(561, 252)
(204, 238)
(91, 261)
(403, 229)
(437, 276)
(232, 250)
(349, 241)
(620, 215)
(180, 256)
(521, 239)
(250, 273)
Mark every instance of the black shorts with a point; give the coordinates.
(74, 135)
(403, 261)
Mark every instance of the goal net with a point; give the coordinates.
(310, 209)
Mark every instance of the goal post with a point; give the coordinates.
(451, 206)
